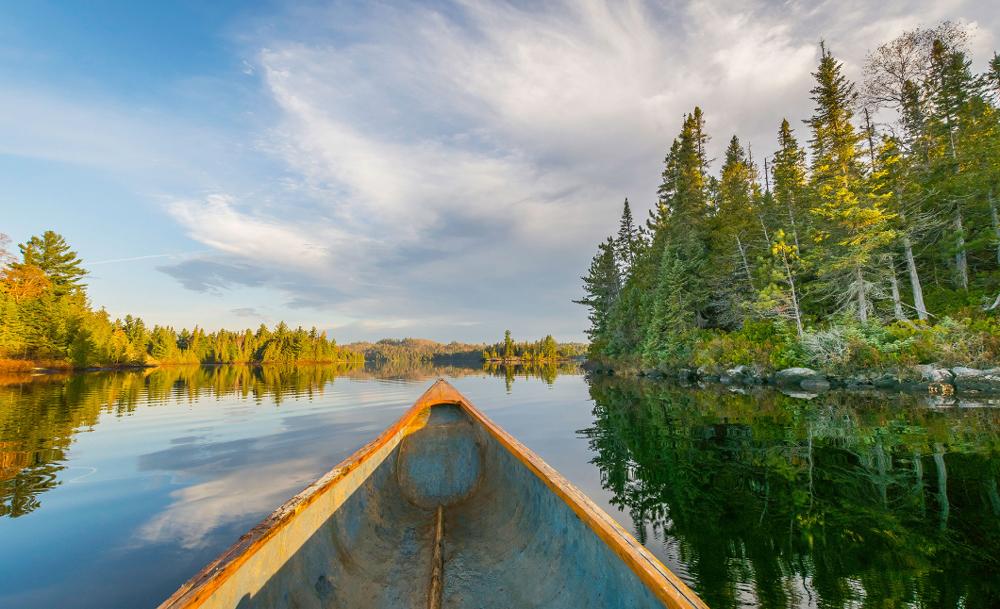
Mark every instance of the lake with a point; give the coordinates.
(115, 487)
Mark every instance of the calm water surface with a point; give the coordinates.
(117, 487)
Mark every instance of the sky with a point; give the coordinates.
(440, 169)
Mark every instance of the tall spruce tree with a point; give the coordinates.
(630, 240)
(951, 86)
(601, 286)
(855, 223)
(683, 211)
(734, 227)
(672, 313)
(789, 175)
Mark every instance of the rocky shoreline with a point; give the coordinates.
(928, 379)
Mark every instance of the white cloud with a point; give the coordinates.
(461, 161)
(217, 223)
(487, 142)
(198, 510)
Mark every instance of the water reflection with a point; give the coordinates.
(547, 371)
(137, 479)
(39, 415)
(780, 502)
(38, 418)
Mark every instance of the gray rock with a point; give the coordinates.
(971, 379)
(815, 385)
(886, 381)
(742, 375)
(793, 377)
(962, 372)
(798, 394)
(932, 374)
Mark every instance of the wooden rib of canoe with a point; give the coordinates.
(444, 510)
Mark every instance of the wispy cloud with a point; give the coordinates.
(145, 257)
(490, 144)
(407, 165)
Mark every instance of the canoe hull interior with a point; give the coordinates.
(368, 540)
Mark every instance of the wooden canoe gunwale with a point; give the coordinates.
(660, 580)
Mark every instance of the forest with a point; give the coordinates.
(46, 318)
(873, 244)
(544, 350)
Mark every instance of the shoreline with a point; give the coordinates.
(929, 379)
(39, 367)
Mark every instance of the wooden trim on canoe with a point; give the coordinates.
(666, 586)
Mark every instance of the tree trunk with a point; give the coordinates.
(862, 301)
(763, 227)
(918, 291)
(996, 222)
(942, 479)
(795, 230)
(795, 297)
(746, 267)
(961, 262)
(897, 303)
(918, 480)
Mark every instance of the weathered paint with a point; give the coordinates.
(443, 500)
(440, 464)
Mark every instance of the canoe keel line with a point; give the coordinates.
(434, 595)
(444, 510)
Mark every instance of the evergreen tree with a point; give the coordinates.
(855, 223)
(871, 213)
(789, 173)
(682, 220)
(629, 242)
(601, 285)
(672, 311)
(53, 256)
(737, 219)
(951, 86)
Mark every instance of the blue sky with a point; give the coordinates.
(385, 169)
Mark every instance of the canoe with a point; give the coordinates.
(443, 510)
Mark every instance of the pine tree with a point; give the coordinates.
(52, 254)
(780, 296)
(733, 227)
(672, 313)
(951, 86)
(855, 225)
(682, 218)
(789, 173)
(629, 242)
(601, 285)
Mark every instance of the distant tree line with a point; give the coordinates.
(45, 316)
(544, 350)
(417, 350)
(401, 350)
(877, 244)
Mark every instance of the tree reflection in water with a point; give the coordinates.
(841, 501)
(39, 415)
